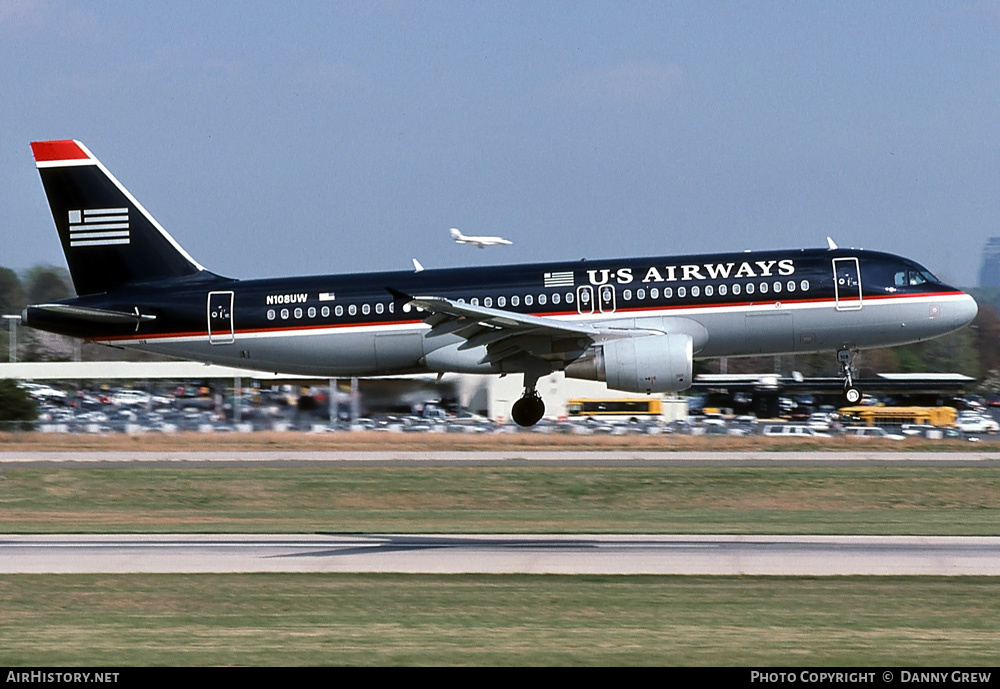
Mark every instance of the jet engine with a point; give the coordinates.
(648, 363)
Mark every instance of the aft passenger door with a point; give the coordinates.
(220, 318)
(846, 284)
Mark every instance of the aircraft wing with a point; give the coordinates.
(503, 333)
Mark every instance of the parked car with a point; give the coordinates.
(792, 430)
(871, 432)
(974, 423)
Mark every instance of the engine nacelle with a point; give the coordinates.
(649, 363)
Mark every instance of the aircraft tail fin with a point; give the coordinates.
(456, 234)
(108, 238)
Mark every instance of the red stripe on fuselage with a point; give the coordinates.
(546, 314)
(51, 151)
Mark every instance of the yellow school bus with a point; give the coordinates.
(625, 409)
(896, 416)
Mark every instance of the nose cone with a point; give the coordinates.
(966, 310)
(957, 313)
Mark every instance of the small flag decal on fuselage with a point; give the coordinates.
(327, 296)
(564, 279)
(98, 227)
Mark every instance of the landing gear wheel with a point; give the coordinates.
(852, 395)
(528, 410)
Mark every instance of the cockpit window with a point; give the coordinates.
(912, 278)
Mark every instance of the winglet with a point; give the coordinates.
(831, 245)
(399, 297)
(417, 268)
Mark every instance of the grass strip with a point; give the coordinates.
(879, 500)
(300, 619)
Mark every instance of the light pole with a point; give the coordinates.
(12, 321)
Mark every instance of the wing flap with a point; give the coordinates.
(503, 333)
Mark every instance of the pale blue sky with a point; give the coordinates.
(312, 137)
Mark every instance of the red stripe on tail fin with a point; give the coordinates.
(51, 151)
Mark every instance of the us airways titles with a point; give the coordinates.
(699, 271)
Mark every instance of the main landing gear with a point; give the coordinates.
(846, 359)
(528, 410)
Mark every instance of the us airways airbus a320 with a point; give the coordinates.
(636, 324)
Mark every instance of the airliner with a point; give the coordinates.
(478, 241)
(636, 324)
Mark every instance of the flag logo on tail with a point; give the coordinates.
(564, 279)
(98, 227)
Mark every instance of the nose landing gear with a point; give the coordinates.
(846, 359)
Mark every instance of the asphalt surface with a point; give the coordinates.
(504, 554)
(616, 457)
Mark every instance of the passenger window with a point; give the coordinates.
(352, 310)
(695, 291)
(298, 312)
(654, 293)
(339, 310)
(668, 292)
(555, 298)
(379, 307)
(312, 312)
(804, 285)
(366, 309)
(569, 297)
(790, 286)
(284, 314)
(325, 312)
(736, 288)
(750, 288)
(777, 287)
(501, 302)
(514, 300)
(474, 301)
(709, 290)
(270, 314)
(722, 290)
(542, 299)
(763, 288)
(627, 295)
(682, 292)
(528, 300)
(640, 293)
(487, 301)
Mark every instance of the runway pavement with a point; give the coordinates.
(504, 554)
(615, 457)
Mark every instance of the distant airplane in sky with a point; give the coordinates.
(478, 241)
